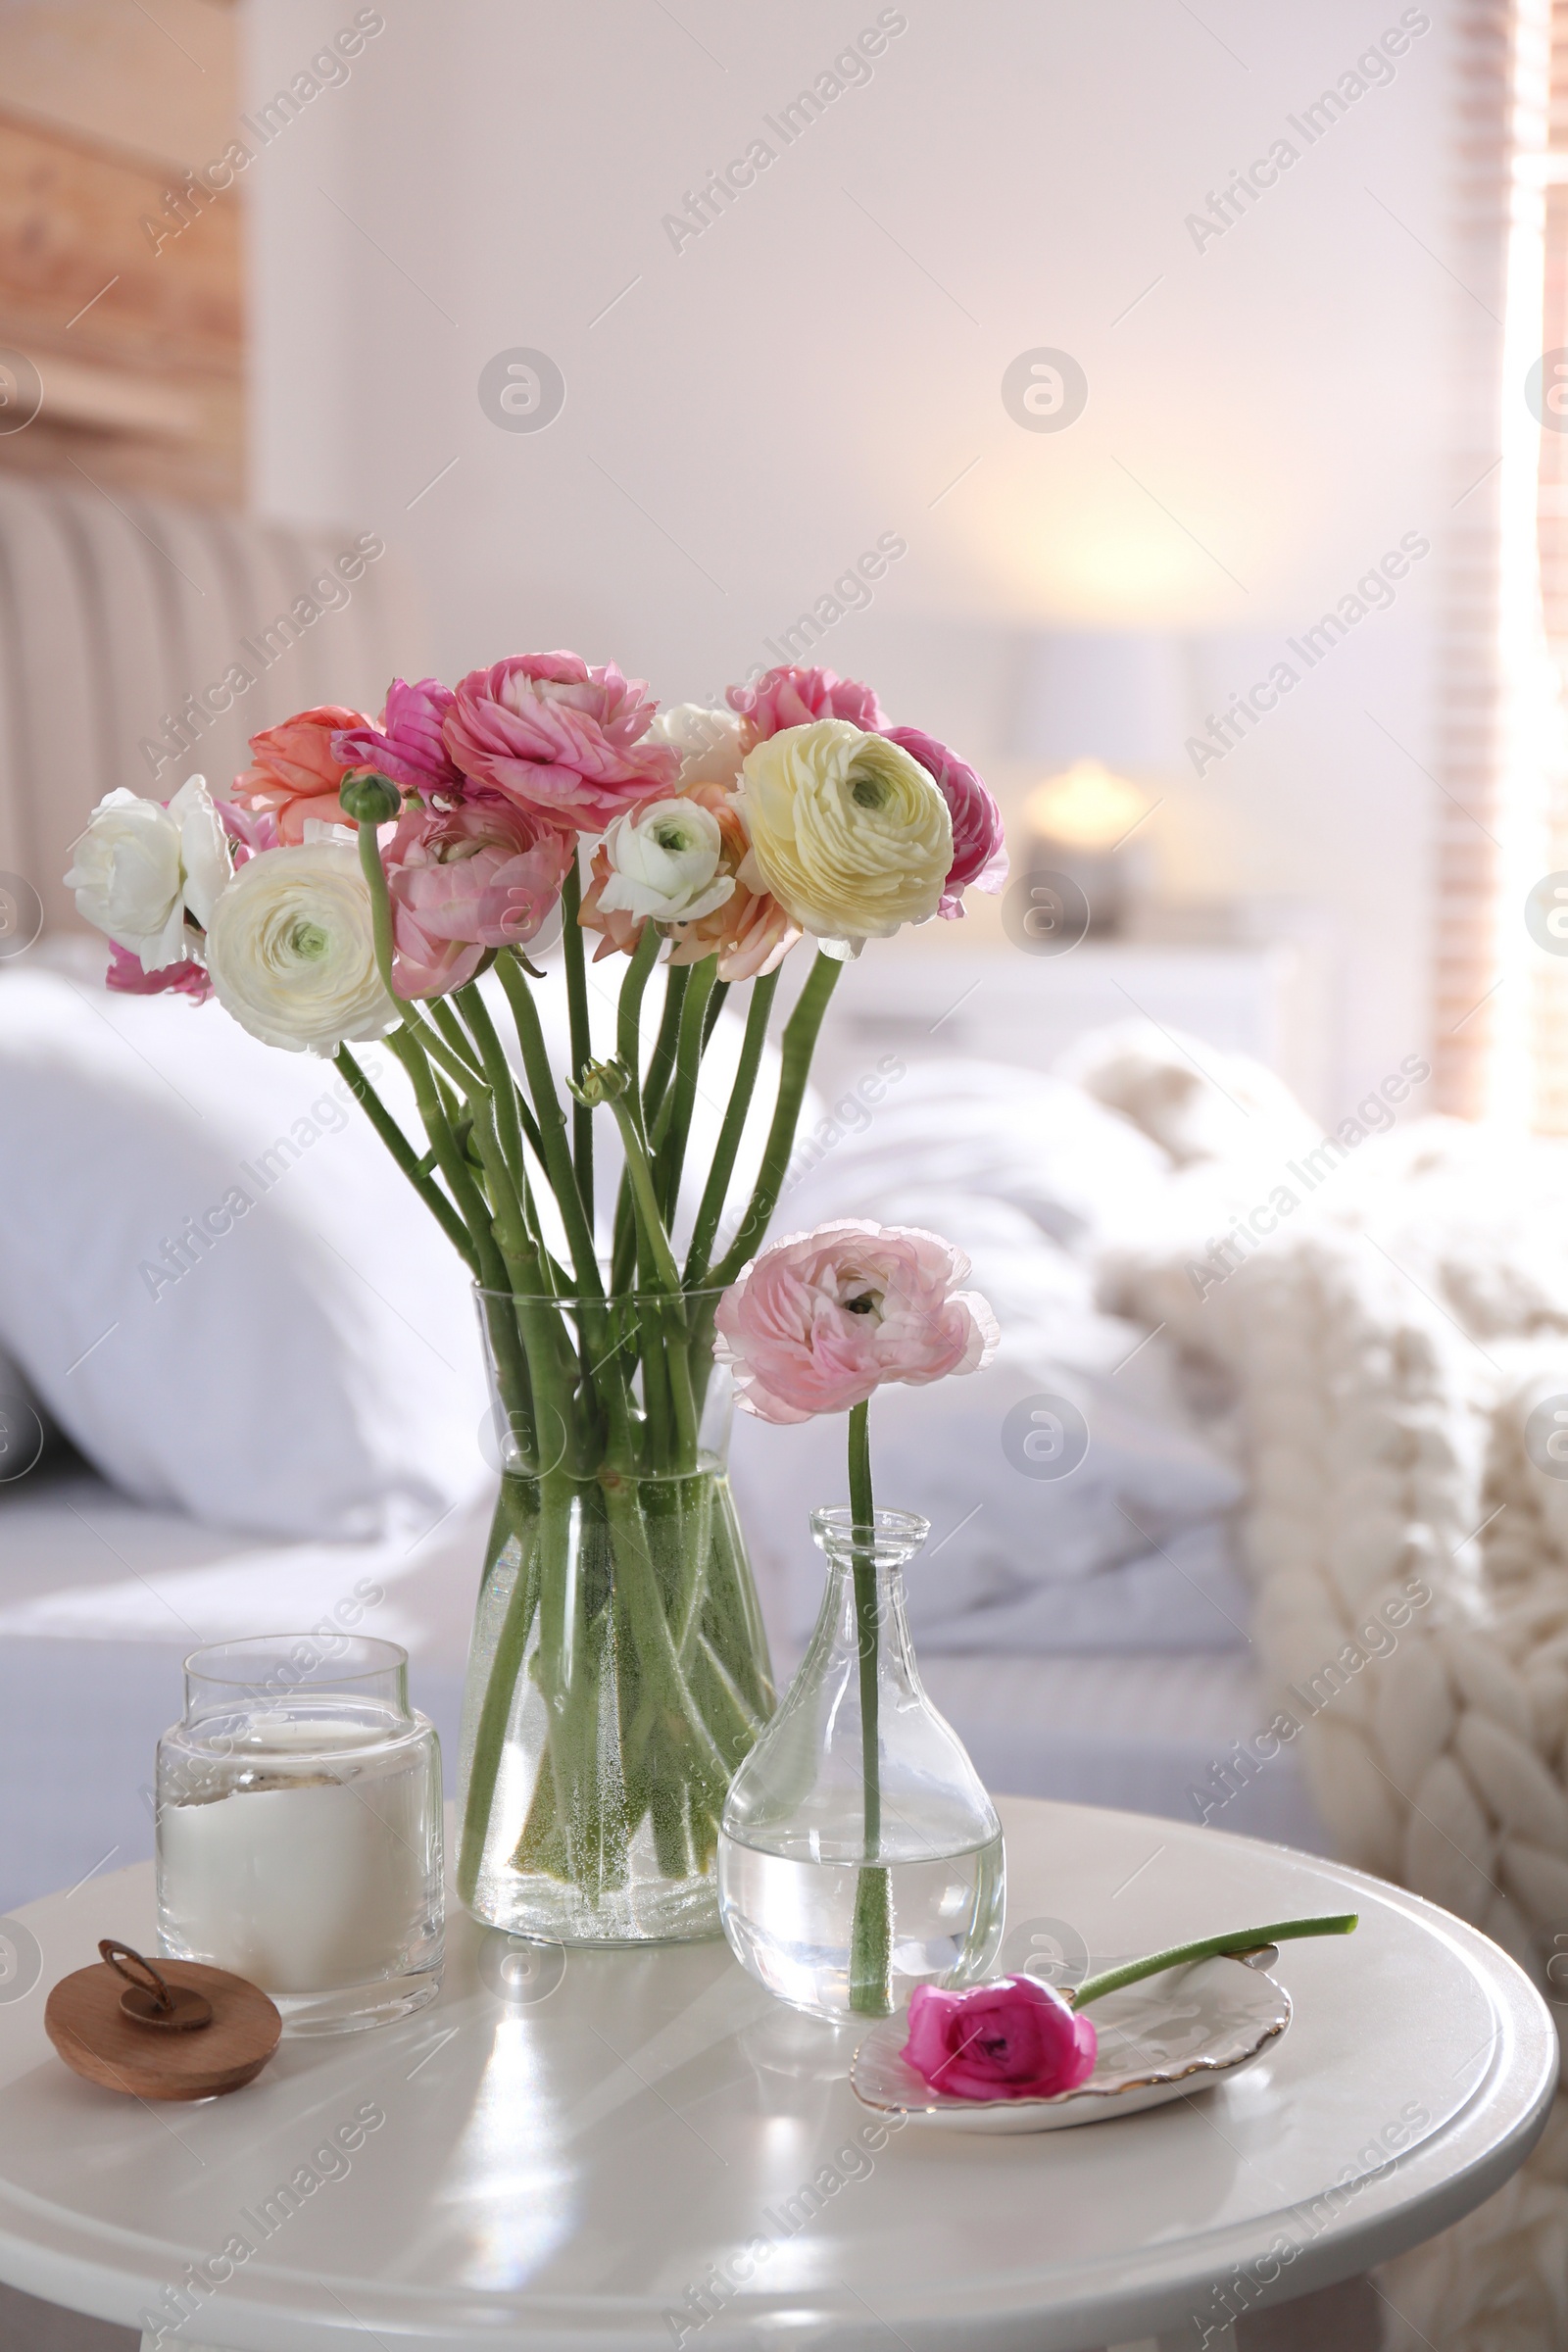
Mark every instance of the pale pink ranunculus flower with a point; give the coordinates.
(406, 743)
(553, 736)
(1014, 2038)
(297, 773)
(794, 697)
(822, 1319)
(979, 845)
(464, 880)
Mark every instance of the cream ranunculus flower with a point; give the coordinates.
(849, 832)
(708, 741)
(664, 863)
(139, 867)
(291, 954)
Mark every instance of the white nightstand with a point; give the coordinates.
(997, 1003)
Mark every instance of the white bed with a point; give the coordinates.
(100, 1599)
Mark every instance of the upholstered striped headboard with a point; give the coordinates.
(140, 643)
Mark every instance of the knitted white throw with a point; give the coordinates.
(1386, 1332)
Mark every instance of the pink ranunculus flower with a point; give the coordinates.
(551, 735)
(820, 1320)
(1016, 2039)
(979, 848)
(794, 697)
(297, 773)
(250, 831)
(464, 880)
(407, 742)
(127, 976)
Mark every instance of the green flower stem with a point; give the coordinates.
(1246, 1939)
(655, 1645)
(582, 1051)
(450, 1158)
(716, 1005)
(374, 873)
(712, 1206)
(520, 1391)
(456, 1039)
(629, 1050)
(499, 1079)
(403, 1151)
(663, 1059)
(799, 1040)
(645, 1198)
(667, 1276)
(871, 1929)
(629, 1009)
(676, 1112)
(552, 1120)
(506, 1669)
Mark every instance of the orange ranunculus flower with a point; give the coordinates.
(296, 775)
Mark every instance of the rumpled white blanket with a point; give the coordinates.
(1397, 1351)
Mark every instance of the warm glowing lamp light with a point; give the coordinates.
(1084, 808)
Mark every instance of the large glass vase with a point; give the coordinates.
(618, 1672)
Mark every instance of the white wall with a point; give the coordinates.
(818, 366)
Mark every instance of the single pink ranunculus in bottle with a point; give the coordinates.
(1014, 2039)
(816, 1323)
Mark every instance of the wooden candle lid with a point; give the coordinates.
(174, 2030)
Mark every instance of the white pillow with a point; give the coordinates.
(303, 1360)
(313, 1366)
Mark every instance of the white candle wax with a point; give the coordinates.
(315, 1880)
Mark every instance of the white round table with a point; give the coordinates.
(640, 2149)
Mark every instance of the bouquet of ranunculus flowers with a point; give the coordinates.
(384, 878)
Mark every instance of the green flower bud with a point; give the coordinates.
(367, 798)
(601, 1082)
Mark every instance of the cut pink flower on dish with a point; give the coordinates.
(1014, 2039)
(821, 1320)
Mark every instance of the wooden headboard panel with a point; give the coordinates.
(141, 643)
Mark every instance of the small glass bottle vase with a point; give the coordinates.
(299, 1827)
(859, 1855)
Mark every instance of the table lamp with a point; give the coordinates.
(1101, 714)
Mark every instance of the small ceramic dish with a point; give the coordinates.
(1163, 2039)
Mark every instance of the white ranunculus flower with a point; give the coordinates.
(664, 863)
(708, 741)
(291, 953)
(138, 868)
(848, 831)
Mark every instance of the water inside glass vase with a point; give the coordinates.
(859, 1854)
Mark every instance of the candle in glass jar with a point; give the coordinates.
(299, 1838)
